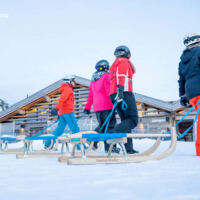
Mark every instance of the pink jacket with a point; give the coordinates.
(99, 94)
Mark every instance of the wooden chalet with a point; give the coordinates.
(33, 113)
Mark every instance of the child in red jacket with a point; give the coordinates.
(65, 109)
(121, 89)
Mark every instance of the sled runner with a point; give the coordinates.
(120, 139)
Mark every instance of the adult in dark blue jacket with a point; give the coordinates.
(189, 77)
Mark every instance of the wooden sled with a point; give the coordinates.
(5, 141)
(125, 158)
(21, 150)
(51, 151)
(28, 152)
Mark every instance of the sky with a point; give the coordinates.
(42, 41)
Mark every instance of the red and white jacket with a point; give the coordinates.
(121, 73)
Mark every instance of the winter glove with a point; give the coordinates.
(120, 96)
(54, 112)
(184, 101)
(86, 111)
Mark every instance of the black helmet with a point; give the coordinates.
(122, 51)
(102, 65)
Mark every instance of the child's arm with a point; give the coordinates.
(89, 100)
(181, 83)
(107, 84)
(64, 96)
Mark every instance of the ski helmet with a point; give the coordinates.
(191, 39)
(122, 51)
(102, 65)
(68, 78)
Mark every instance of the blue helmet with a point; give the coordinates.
(122, 51)
(102, 65)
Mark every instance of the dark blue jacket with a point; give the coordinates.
(189, 73)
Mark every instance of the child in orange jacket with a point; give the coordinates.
(65, 109)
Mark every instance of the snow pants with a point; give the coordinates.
(101, 117)
(129, 117)
(193, 101)
(66, 119)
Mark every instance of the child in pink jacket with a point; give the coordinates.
(100, 99)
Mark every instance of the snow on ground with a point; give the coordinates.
(176, 177)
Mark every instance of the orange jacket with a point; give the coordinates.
(66, 102)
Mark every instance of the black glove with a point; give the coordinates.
(54, 112)
(184, 101)
(86, 112)
(120, 95)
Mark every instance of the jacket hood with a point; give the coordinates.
(97, 75)
(64, 85)
(187, 55)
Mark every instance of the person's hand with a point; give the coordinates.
(54, 112)
(184, 101)
(120, 95)
(86, 111)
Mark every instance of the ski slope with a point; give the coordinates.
(174, 178)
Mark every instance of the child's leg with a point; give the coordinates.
(198, 133)
(72, 123)
(58, 131)
(193, 102)
(198, 137)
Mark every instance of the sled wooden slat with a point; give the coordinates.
(146, 135)
(12, 151)
(129, 135)
(39, 155)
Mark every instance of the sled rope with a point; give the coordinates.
(40, 132)
(186, 114)
(185, 132)
(107, 121)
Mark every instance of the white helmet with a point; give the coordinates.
(68, 78)
(191, 38)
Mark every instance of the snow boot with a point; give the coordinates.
(115, 149)
(132, 151)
